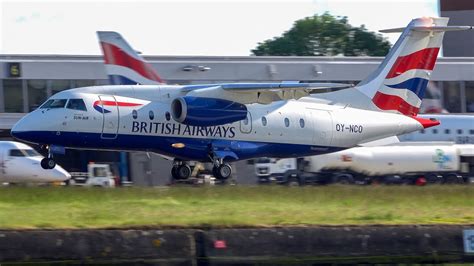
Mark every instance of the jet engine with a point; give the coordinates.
(200, 111)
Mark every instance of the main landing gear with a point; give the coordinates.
(182, 171)
(47, 162)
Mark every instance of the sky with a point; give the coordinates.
(182, 27)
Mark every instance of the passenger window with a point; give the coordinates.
(168, 116)
(435, 131)
(55, 103)
(459, 131)
(16, 153)
(76, 104)
(264, 121)
(151, 115)
(134, 114)
(301, 122)
(447, 131)
(422, 131)
(471, 131)
(287, 122)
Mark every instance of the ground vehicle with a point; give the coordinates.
(97, 175)
(402, 163)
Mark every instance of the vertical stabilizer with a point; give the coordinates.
(399, 83)
(123, 64)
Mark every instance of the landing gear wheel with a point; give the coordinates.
(182, 171)
(222, 172)
(174, 172)
(48, 163)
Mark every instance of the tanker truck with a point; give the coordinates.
(406, 163)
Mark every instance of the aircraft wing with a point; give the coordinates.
(265, 93)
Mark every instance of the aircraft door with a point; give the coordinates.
(246, 124)
(110, 114)
(321, 122)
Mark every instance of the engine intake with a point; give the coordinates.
(199, 111)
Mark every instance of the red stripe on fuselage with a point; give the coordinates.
(392, 102)
(423, 59)
(114, 103)
(113, 55)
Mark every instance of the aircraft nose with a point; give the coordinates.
(23, 129)
(59, 174)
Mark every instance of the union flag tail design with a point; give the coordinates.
(399, 84)
(123, 64)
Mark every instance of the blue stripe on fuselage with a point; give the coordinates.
(195, 149)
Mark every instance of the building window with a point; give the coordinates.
(459, 131)
(59, 85)
(37, 93)
(302, 123)
(264, 121)
(470, 96)
(452, 96)
(83, 83)
(134, 114)
(287, 122)
(151, 115)
(13, 95)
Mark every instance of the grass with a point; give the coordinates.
(75, 207)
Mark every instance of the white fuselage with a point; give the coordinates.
(136, 119)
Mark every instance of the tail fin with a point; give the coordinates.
(123, 64)
(399, 84)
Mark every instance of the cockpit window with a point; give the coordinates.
(56, 103)
(23, 153)
(76, 104)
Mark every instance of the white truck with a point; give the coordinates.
(407, 163)
(97, 175)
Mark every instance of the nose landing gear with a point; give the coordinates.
(48, 162)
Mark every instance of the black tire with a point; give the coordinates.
(222, 172)
(174, 173)
(183, 172)
(293, 182)
(433, 179)
(48, 163)
(345, 179)
(453, 179)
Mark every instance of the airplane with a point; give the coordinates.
(221, 123)
(19, 163)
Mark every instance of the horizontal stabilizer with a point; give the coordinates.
(432, 28)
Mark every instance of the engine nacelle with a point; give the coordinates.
(199, 111)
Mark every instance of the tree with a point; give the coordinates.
(325, 35)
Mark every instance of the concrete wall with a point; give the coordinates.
(267, 246)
